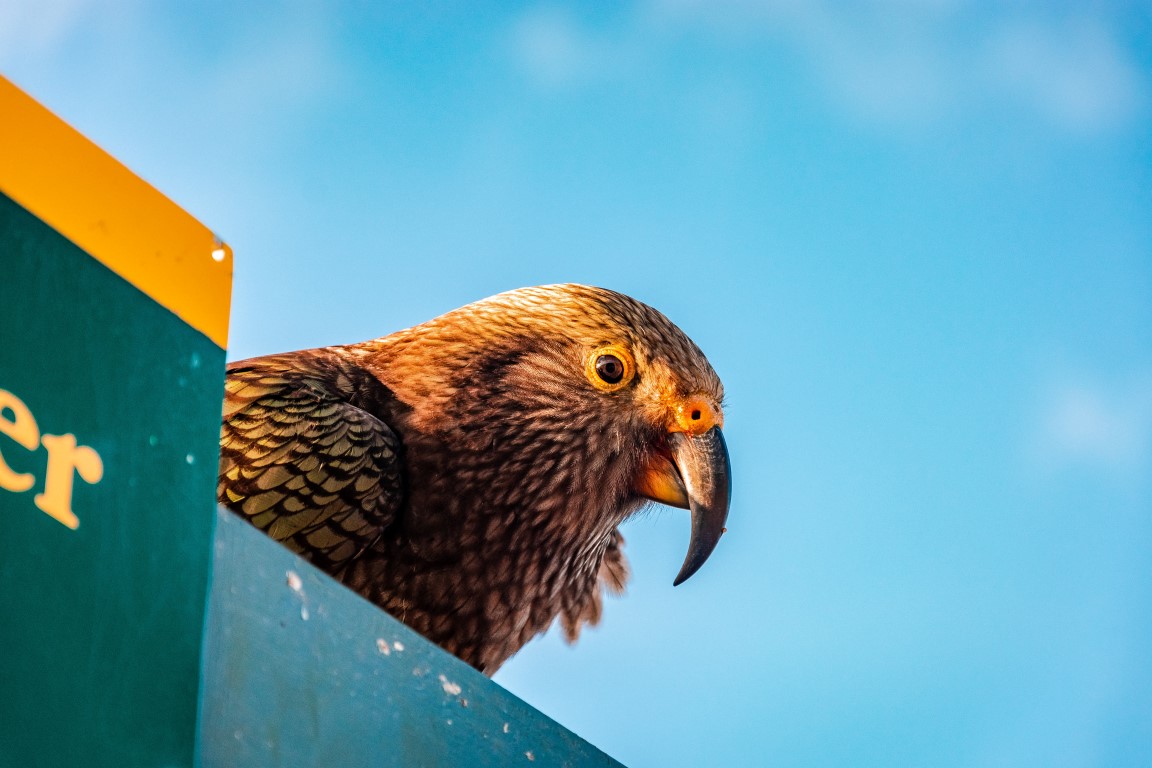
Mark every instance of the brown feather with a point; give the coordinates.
(463, 474)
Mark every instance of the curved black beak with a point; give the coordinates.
(706, 474)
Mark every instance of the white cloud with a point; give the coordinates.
(550, 46)
(1094, 425)
(254, 67)
(887, 61)
(295, 60)
(555, 49)
(1073, 71)
(39, 27)
(894, 60)
(885, 66)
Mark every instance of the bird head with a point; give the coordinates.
(570, 404)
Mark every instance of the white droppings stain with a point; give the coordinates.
(382, 646)
(450, 688)
(219, 254)
(530, 756)
(505, 727)
(449, 722)
(399, 646)
(297, 586)
(190, 459)
(153, 440)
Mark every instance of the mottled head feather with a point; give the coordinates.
(425, 361)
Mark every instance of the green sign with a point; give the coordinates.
(109, 422)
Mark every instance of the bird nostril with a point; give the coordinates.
(696, 415)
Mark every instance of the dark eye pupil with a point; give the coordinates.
(609, 368)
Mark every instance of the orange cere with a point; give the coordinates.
(696, 414)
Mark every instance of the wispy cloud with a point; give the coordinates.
(886, 61)
(554, 49)
(1073, 71)
(294, 62)
(253, 67)
(29, 29)
(1086, 423)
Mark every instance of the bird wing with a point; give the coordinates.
(302, 462)
(586, 607)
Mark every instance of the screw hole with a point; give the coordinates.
(696, 415)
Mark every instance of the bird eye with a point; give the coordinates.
(609, 368)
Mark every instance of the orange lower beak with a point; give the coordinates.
(660, 481)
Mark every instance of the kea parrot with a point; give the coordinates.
(469, 475)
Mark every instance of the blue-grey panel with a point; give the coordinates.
(299, 671)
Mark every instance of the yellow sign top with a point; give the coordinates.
(117, 218)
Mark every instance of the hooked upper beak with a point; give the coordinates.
(698, 477)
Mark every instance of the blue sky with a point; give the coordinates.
(915, 240)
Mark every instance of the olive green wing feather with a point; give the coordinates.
(303, 461)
